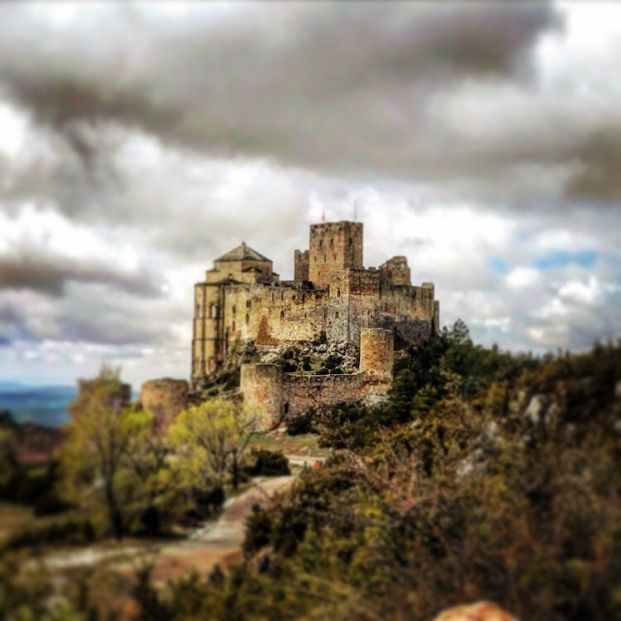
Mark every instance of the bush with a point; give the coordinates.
(303, 423)
(49, 503)
(268, 463)
(74, 532)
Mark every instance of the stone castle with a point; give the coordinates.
(333, 298)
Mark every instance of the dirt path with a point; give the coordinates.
(216, 543)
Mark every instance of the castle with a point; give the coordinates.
(332, 296)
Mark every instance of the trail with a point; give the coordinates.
(218, 542)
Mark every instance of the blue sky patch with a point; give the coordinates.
(562, 258)
(499, 265)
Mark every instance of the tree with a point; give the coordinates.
(98, 437)
(146, 461)
(8, 459)
(210, 440)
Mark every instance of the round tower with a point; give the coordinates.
(376, 354)
(262, 386)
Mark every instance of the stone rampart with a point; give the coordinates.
(301, 392)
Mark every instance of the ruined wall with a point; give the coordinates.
(396, 271)
(301, 392)
(261, 385)
(377, 355)
(286, 395)
(165, 398)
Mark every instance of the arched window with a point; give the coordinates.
(282, 314)
(336, 315)
(247, 319)
(234, 309)
(338, 293)
(213, 310)
(233, 327)
(248, 303)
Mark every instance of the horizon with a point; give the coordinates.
(138, 142)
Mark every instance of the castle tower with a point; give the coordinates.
(206, 336)
(376, 354)
(261, 385)
(334, 247)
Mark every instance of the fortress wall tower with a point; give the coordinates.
(376, 354)
(165, 398)
(262, 385)
(301, 265)
(206, 338)
(334, 247)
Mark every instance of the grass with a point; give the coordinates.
(304, 444)
(14, 517)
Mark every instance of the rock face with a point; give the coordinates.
(164, 397)
(480, 611)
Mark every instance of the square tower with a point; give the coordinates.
(334, 247)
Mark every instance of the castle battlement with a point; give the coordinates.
(333, 295)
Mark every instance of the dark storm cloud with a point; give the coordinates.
(51, 277)
(331, 87)
(600, 162)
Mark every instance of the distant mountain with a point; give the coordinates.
(44, 405)
(10, 385)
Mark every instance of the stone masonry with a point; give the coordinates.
(332, 296)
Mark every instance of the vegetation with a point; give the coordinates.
(494, 476)
(210, 440)
(485, 475)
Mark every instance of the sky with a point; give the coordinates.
(482, 140)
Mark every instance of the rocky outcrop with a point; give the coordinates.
(480, 611)
(313, 357)
(165, 398)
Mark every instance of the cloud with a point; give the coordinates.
(42, 251)
(293, 83)
(140, 140)
(522, 277)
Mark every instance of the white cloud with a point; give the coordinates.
(523, 277)
(582, 291)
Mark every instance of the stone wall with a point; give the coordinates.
(261, 385)
(377, 354)
(301, 392)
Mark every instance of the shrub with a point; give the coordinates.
(268, 463)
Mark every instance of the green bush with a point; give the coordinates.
(267, 463)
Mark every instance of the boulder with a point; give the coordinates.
(480, 611)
